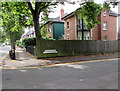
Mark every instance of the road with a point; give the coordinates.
(3, 51)
(90, 75)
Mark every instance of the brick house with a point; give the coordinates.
(55, 27)
(106, 30)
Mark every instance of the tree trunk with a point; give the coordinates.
(12, 51)
(12, 42)
(35, 13)
(37, 32)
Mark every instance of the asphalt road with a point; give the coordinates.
(91, 75)
(3, 51)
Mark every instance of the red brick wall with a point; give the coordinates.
(112, 28)
(95, 33)
(61, 13)
(98, 33)
(72, 29)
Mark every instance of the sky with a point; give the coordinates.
(68, 8)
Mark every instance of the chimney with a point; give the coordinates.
(61, 13)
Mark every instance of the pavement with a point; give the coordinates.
(25, 59)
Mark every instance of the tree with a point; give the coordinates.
(18, 14)
(38, 8)
(89, 12)
(12, 23)
(43, 31)
(20, 9)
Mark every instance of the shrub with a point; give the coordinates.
(29, 41)
(45, 38)
(32, 41)
(19, 43)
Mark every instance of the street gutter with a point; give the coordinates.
(52, 65)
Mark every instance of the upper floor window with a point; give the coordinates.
(81, 24)
(104, 25)
(104, 13)
(68, 25)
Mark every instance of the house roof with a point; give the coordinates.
(112, 13)
(70, 14)
(57, 19)
(28, 33)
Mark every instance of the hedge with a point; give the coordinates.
(19, 43)
(32, 41)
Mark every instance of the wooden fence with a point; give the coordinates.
(76, 47)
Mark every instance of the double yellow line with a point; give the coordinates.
(52, 65)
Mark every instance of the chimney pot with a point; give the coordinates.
(61, 13)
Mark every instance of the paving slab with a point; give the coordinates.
(25, 59)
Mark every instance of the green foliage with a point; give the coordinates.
(19, 43)
(17, 13)
(43, 31)
(106, 6)
(45, 38)
(12, 22)
(29, 41)
(2, 36)
(14, 18)
(89, 13)
(32, 41)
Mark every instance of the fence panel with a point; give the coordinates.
(76, 47)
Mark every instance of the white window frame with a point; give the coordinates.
(105, 25)
(68, 36)
(104, 13)
(67, 25)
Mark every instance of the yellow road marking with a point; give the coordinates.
(52, 65)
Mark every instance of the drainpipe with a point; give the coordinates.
(82, 30)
